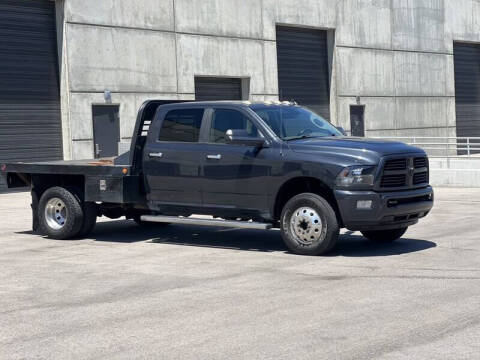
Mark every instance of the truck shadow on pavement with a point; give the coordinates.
(355, 245)
(349, 244)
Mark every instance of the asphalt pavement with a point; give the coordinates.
(189, 292)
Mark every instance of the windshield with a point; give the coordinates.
(294, 122)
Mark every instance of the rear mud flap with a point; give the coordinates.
(34, 206)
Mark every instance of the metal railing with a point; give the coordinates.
(450, 147)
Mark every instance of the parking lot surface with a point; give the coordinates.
(184, 292)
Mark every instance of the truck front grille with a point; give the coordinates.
(420, 162)
(403, 173)
(389, 181)
(420, 178)
(397, 164)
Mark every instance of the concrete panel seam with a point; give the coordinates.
(394, 50)
(400, 96)
(263, 52)
(392, 29)
(175, 40)
(131, 92)
(68, 91)
(169, 31)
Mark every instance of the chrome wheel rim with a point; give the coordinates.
(306, 225)
(55, 213)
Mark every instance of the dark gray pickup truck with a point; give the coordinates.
(249, 165)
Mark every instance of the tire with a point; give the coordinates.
(385, 235)
(90, 213)
(65, 223)
(309, 225)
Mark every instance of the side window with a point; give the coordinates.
(181, 125)
(226, 119)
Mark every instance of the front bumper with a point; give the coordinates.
(390, 210)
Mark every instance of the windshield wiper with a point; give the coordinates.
(302, 137)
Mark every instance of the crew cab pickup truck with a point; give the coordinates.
(255, 165)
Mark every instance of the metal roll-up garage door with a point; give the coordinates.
(467, 90)
(30, 125)
(210, 88)
(302, 60)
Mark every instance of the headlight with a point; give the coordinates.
(356, 176)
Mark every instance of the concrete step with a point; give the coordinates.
(455, 172)
(455, 177)
(455, 163)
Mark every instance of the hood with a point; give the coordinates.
(353, 147)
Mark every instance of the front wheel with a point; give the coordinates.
(385, 235)
(309, 225)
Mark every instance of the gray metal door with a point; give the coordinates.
(30, 125)
(106, 130)
(357, 123)
(209, 88)
(467, 90)
(302, 61)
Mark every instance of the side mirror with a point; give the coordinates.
(342, 130)
(241, 137)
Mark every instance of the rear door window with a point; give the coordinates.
(181, 125)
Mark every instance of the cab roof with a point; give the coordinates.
(247, 103)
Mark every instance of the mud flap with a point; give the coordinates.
(34, 206)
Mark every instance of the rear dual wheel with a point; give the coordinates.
(90, 214)
(62, 215)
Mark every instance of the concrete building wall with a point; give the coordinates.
(394, 56)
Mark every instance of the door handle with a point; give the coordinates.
(155, 155)
(214, 157)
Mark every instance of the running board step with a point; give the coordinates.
(206, 222)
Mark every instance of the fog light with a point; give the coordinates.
(364, 204)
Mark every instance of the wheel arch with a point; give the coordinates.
(42, 182)
(303, 184)
(39, 183)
